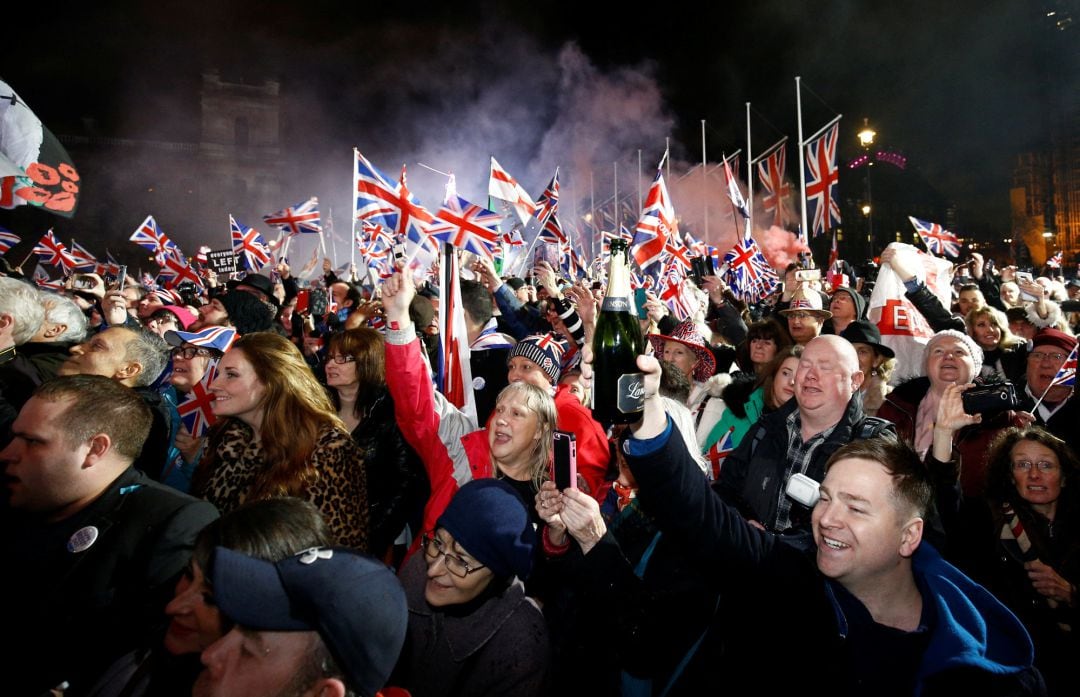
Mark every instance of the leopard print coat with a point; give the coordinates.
(336, 481)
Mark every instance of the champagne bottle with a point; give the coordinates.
(618, 395)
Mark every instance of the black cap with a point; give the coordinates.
(863, 331)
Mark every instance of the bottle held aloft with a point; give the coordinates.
(618, 386)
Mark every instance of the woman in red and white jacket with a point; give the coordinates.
(516, 446)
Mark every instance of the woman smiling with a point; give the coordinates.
(516, 446)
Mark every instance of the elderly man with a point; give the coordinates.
(134, 357)
(1059, 410)
(327, 622)
(39, 358)
(796, 438)
(93, 547)
(864, 595)
(21, 315)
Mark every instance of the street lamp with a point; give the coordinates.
(866, 139)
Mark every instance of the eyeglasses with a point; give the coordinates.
(435, 548)
(190, 352)
(1040, 356)
(1026, 465)
(340, 358)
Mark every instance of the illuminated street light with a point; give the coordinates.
(866, 135)
(866, 209)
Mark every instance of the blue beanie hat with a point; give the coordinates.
(491, 522)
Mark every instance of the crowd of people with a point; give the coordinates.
(799, 502)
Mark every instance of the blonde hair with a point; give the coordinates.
(1007, 340)
(540, 403)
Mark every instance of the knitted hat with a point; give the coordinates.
(354, 602)
(490, 521)
(860, 301)
(247, 312)
(545, 350)
(686, 333)
(1055, 338)
(974, 349)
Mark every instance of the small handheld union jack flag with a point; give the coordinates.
(248, 246)
(749, 274)
(51, 251)
(1054, 262)
(937, 239)
(466, 226)
(8, 239)
(1066, 376)
(298, 219)
(85, 261)
(150, 237)
(196, 409)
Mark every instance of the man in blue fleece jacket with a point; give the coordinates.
(864, 606)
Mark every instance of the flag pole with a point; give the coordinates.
(704, 182)
(667, 151)
(639, 199)
(749, 174)
(802, 152)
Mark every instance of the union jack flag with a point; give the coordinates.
(677, 252)
(52, 251)
(374, 241)
(672, 289)
(720, 450)
(298, 219)
(771, 174)
(695, 245)
(1066, 376)
(572, 261)
(41, 278)
(8, 239)
(248, 246)
(821, 177)
(734, 193)
(84, 260)
(176, 272)
(548, 202)
(656, 224)
(112, 266)
(552, 231)
(196, 410)
(505, 188)
(1055, 261)
(391, 205)
(937, 239)
(150, 237)
(147, 281)
(749, 274)
(466, 226)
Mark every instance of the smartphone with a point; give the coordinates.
(1023, 277)
(121, 277)
(564, 462)
(808, 275)
(83, 282)
(302, 299)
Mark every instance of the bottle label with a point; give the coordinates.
(615, 305)
(631, 392)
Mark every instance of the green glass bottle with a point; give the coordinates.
(618, 395)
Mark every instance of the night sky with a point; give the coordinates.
(959, 87)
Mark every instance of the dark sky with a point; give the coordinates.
(960, 87)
